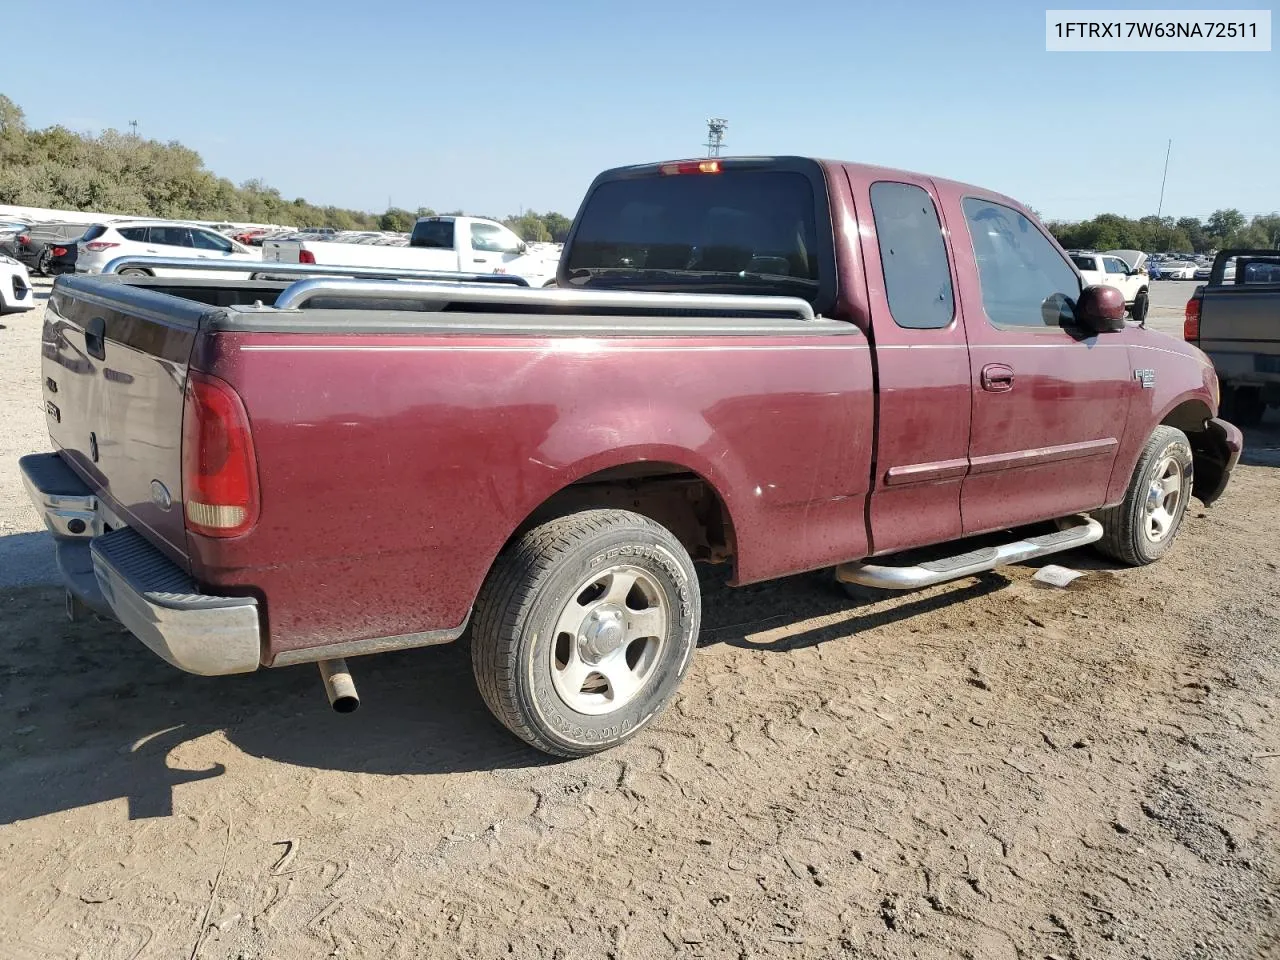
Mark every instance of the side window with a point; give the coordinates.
(136, 234)
(493, 239)
(203, 240)
(1025, 282)
(1085, 263)
(913, 256)
(1116, 265)
(171, 236)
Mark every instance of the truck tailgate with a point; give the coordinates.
(115, 368)
(1240, 329)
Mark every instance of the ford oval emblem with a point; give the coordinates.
(160, 495)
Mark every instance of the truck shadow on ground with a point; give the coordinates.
(88, 715)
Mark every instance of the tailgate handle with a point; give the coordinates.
(95, 338)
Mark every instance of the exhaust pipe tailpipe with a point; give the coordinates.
(339, 685)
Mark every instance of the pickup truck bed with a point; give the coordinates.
(444, 439)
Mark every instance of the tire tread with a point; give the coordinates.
(505, 600)
(1120, 523)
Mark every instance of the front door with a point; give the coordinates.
(1049, 402)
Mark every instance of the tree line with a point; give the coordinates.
(119, 173)
(114, 172)
(1223, 229)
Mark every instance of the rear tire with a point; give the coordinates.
(584, 629)
(43, 261)
(134, 272)
(1142, 528)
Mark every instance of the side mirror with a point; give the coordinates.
(1101, 309)
(523, 248)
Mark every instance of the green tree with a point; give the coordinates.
(557, 225)
(401, 221)
(1223, 225)
(1267, 229)
(1195, 233)
(529, 227)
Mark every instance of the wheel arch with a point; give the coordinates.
(669, 490)
(1209, 453)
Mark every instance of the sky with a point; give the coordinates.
(495, 106)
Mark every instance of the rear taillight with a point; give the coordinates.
(98, 246)
(59, 251)
(219, 469)
(1191, 320)
(306, 256)
(23, 239)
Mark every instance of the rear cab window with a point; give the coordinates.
(433, 234)
(913, 256)
(750, 227)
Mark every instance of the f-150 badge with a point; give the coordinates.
(1146, 377)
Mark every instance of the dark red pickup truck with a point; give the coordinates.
(781, 364)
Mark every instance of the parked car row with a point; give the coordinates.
(33, 244)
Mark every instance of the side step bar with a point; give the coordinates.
(1076, 532)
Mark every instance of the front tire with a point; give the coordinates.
(134, 272)
(584, 629)
(1138, 312)
(1142, 528)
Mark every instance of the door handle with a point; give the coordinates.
(997, 378)
(95, 338)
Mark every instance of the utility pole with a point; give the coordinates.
(1168, 150)
(715, 135)
(133, 125)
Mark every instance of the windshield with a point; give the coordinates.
(747, 231)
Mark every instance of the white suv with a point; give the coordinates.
(103, 242)
(1113, 271)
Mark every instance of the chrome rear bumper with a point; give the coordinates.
(118, 573)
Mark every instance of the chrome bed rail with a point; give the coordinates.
(481, 289)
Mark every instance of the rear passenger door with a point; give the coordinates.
(923, 365)
(1049, 403)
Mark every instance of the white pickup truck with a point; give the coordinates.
(1123, 269)
(459, 244)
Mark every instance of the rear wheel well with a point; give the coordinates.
(672, 495)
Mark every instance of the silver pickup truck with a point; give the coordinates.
(1235, 319)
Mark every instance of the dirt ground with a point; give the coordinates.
(990, 769)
